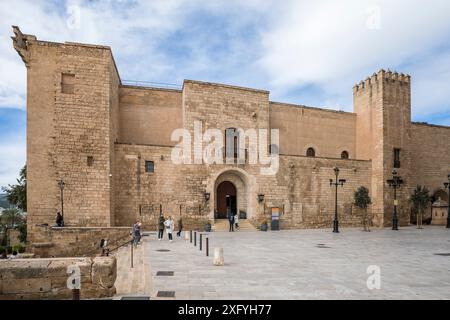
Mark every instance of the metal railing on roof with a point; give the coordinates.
(152, 84)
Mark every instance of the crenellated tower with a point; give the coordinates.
(383, 132)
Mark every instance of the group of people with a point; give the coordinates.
(169, 226)
(234, 221)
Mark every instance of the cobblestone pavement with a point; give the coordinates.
(307, 264)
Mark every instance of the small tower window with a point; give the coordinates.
(149, 166)
(90, 161)
(396, 158)
(311, 152)
(344, 155)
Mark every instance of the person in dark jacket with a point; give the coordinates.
(161, 227)
(231, 221)
(59, 220)
(136, 233)
(180, 227)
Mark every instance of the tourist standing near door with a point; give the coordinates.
(161, 227)
(169, 227)
(236, 222)
(231, 220)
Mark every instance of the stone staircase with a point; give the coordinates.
(222, 225)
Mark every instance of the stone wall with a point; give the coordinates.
(148, 115)
(71, 129)
(76, 241)
(328, 132)
(36, 279)
(301, 189)
(431, 165)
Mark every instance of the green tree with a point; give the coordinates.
(17, 193)
(420, 200)
(362, 201)
(13, 219)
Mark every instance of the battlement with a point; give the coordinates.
(382, 76)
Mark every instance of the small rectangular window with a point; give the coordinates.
(90, 161)
(149, 166)
(67, 83)
(396, 158)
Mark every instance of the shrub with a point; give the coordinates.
(20, 248)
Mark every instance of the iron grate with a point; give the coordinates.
(323, 246)
(136, 298)
(165, 273)
(166, 294)
(163, 250)
(442, 254)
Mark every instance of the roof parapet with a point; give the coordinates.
(382, 75)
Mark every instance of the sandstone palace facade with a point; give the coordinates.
(111, 144)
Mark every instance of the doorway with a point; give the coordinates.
(226, 200)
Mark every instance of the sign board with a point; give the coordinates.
(395, 202)
(275, 214)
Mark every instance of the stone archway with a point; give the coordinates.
(226, 200)
(245, 185)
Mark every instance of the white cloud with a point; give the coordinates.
(329, 44)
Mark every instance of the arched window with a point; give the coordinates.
(344, 155)
(311, 152)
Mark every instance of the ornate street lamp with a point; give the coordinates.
(61, 185)
(447, 186)
(336, 183)
(395, 183)
(207, 196)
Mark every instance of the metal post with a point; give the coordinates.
(131, 258)
(201, 241)
(75, 294)
(190, 235)
(448, 212)
(195, 238)
(394, 217)
(207, 246)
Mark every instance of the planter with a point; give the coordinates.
(208, 227)
(263, 227)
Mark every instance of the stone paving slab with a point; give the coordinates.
(293, 265)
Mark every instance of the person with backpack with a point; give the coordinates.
(161, 227)
(169, 227)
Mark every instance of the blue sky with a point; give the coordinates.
(304, 52)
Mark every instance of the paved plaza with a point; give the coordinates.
(306, 264)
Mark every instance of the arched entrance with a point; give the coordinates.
(226, 199)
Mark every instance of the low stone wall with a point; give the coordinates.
(31, 279)
(75, 241)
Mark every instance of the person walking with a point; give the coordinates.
(236, 222)
(161, 227)
(231, 221)
(180, 227)
(169, 227)
(136, 233)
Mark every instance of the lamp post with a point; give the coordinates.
(447, 186)
(395, 183)
(336, 183)
(61, 185)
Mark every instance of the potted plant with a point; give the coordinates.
(208, 227)
(264, 226)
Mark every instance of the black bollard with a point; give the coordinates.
(75, 294)
(195, 238)
(201, 241)
(190, 236)
(207, 246)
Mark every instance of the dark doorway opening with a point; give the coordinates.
(226, 200)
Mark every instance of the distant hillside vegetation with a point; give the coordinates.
(3, 202)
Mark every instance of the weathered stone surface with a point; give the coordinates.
(47, 278)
